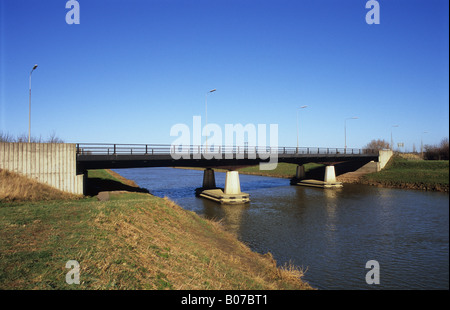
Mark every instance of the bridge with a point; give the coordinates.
(103, 156)
(64, 165)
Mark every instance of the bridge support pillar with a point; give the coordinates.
(232, 184)
(231, 194)
(209, 181)
(329, 180)
(330, 174)
(300, 172)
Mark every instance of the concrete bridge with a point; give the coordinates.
(65, 166)
(101, 156)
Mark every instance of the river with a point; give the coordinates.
(331, 233)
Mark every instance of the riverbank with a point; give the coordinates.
(430, 175)
(129, 241)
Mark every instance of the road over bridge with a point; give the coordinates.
(103, 156)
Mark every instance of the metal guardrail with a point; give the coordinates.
(165, 149)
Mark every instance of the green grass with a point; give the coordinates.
(102, 174)
(413, 173)
(132, 241)
(136, 243)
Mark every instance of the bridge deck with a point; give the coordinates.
(102, 156)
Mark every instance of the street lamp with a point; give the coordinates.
(302, 107)
(29, 107)
(392, 141)
(206, 117)
(345, 131)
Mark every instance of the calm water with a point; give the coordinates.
(329, 233)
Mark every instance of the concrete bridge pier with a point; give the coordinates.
(329, 180)
(232, 183)
(300, 172)
(231, 194)
(209, 180)
(330, 174)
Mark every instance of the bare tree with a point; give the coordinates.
(6, 137)
(377, 144)
(54, 139)
(437, 152)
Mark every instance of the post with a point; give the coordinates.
(29, 112)
(29, 107)
(206, 118)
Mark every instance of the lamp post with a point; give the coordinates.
(206, 118)
(29, 107)
(302, 107)
(345, 131)
(392, 141)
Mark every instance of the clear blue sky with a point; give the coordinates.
(132, 69)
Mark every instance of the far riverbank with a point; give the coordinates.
(429, 175)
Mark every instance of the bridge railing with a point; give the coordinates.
(166, 149)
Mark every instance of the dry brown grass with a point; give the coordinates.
(15, 187)
(171, 248)
(132, 241)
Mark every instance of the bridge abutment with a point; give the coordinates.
(53, 164)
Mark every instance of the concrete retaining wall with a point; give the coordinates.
(50, 163)
(383, 158)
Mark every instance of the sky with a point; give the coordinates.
(131, 70)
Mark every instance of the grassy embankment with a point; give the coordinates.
(131, 241)
(430, 175)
